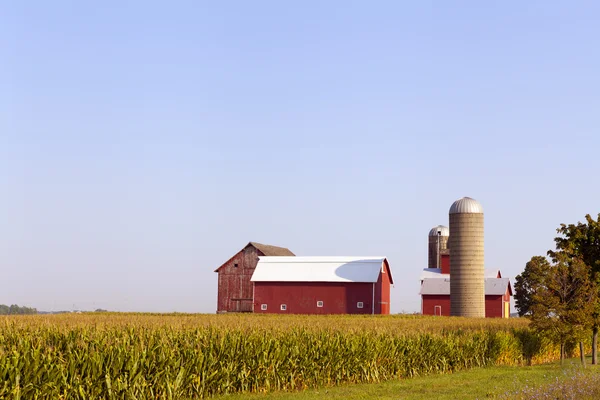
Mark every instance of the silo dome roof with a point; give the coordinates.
(444, 229)
(466, 205)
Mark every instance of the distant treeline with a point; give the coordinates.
(16, 310)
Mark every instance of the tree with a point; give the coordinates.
(563, 302)
(582, 240)
(527, 283)
(16, 310)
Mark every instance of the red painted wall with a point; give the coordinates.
(430, 301)
(235, 289)
(493, 304)
(302, 297)
(445, 263)
(382, 291)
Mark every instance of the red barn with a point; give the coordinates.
(435, 296)
(322, 285)
(235, 288)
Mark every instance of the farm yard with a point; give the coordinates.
(145, 356)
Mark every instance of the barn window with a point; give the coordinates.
(263, 307)
(360, 304)
(320, 303)
(283, 307)
(235, 265)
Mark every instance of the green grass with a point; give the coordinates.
(478, 383)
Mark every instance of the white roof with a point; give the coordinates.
(432, 273)
(437, 273)
(493, 286)
(318, 269)
(496, 285)
(436, 286)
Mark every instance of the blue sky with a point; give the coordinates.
(144, 143)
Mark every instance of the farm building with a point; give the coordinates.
(435, 294)
(235, 288)
(322, 285)
(435, 290)
(455, 282)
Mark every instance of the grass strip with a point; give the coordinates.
(500, 382)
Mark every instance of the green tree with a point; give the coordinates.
(16, 310)
(528, 282)
(562, 304)
(582, 240)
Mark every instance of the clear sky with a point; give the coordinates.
(144, 143)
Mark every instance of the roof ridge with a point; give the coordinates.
(271, 250)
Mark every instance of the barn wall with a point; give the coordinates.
(493, 306)
(445, 263)
(302, 297)
(382, 292)
(430, 301)
(235, 288)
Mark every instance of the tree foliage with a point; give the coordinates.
(563, 302)
(581, 240)
(16, 310)
(562, 297)
(527, 283)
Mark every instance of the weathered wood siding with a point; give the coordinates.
(235, 289)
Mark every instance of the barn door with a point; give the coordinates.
(437, 310)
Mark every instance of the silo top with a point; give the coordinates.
(466, 205)
(441, 228)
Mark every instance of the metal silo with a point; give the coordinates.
(467, 283)
(438, 241)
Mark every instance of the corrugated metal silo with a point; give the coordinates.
(438, 241)
(467, 282)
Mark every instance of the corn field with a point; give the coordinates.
(145, 356)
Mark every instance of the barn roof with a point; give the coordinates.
(269, 250)
(493, 286)
(435, 286)
(437, 273)
(432, 273)
(266, 249)
(497, 286)
(319, 269)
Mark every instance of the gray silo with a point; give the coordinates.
(467, 282)
(438, 241)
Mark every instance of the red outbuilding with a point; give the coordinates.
(322, 285)
(235, 289)
(435, 295)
